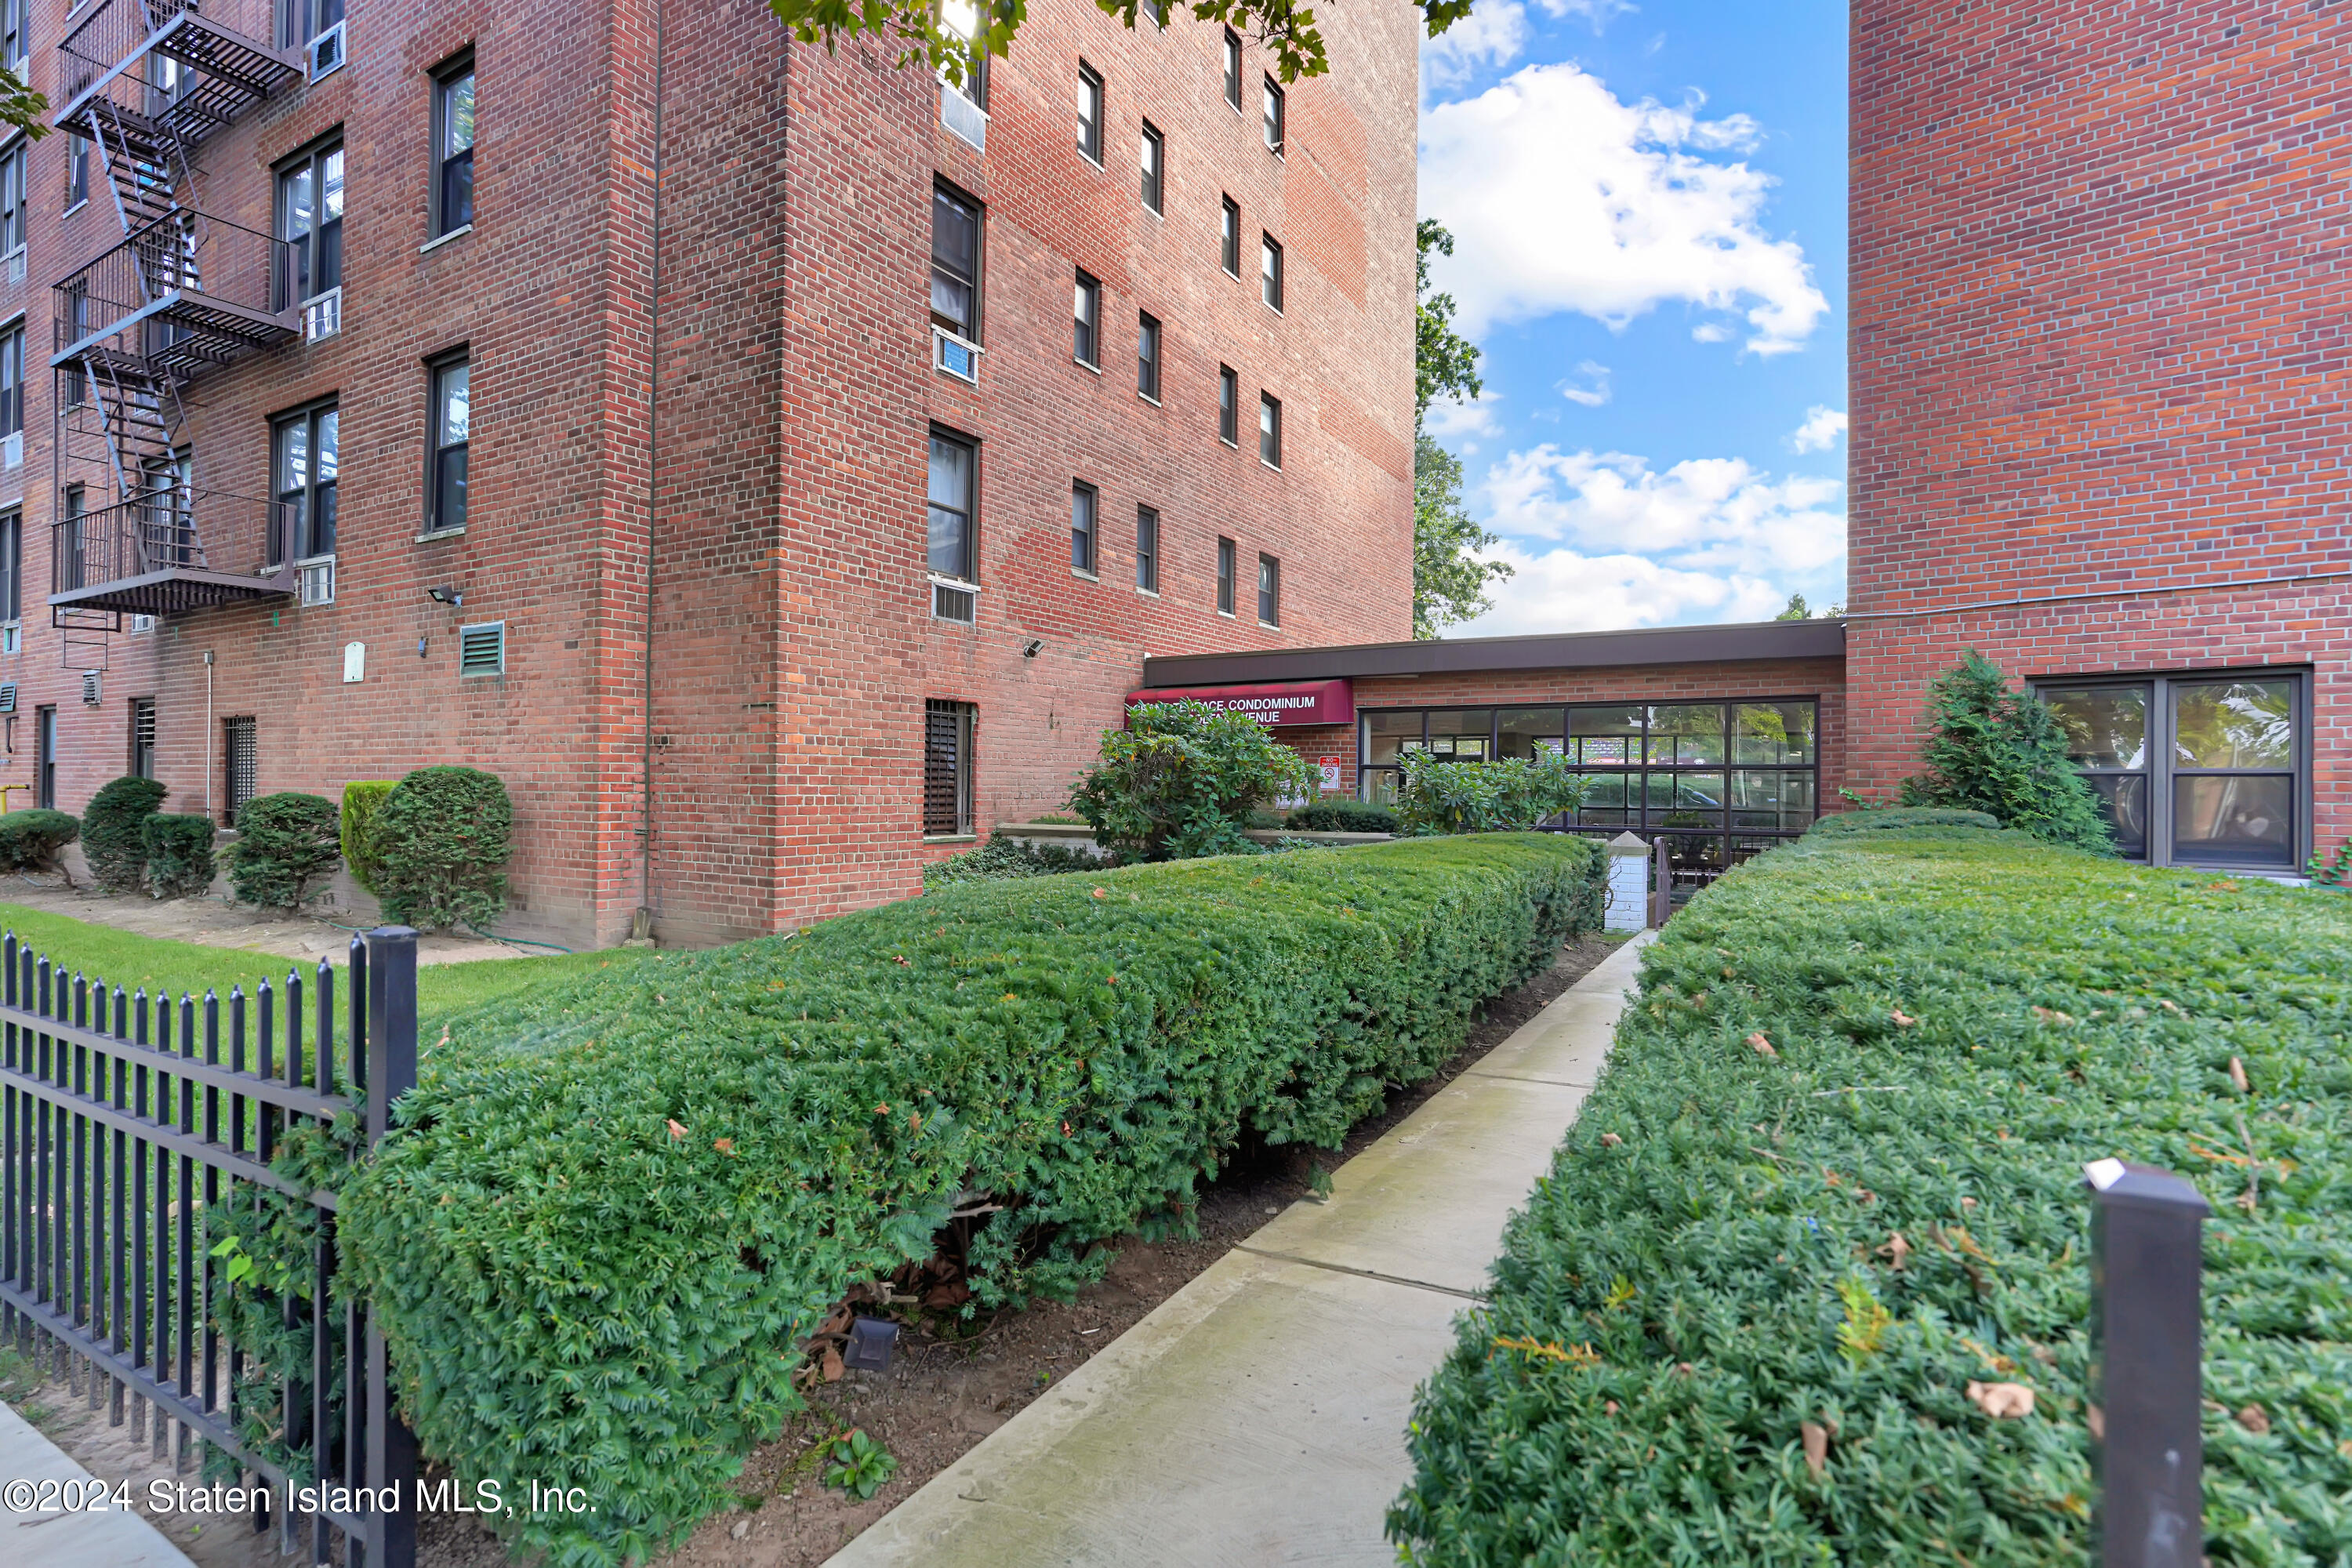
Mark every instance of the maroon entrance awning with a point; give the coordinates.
(1290, 702)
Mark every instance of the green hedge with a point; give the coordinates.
(286, 845)
(363, 798)
(1342, 816)
(1900, 819)
(441, 841)
(1005, 857)
(1704, 1267)
(113, 832)
(30, 839)
(180, 863)
(615, 1208)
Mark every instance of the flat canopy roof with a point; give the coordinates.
(1464, 655)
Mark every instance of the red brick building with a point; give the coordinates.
(2098, 357)
(767, 461)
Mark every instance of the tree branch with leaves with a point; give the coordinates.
(22, 108)
(1449, 580)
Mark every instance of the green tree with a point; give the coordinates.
(1449, 581)
(947, 35)
(1797, 610)
(2003, 751)
(1179, 781)
(21, 108)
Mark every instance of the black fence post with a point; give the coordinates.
(2147, 1387)
(391, 1072)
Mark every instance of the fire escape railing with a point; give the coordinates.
(152, 536)
(184, 292)
(162, 59)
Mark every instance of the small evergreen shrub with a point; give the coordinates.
(442, 841)
(29, 840)
(363, 798)
(287, 844)
(180, 863)
(113, 832)
(1847, 1234)
(1004, 857)
(1180, 782)
(1900, 819)
(1341, 816)
(2000, 750)
(614, 1209)
(1506, 795)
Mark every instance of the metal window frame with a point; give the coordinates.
(978, 259)
(1147, 548)
(311, 156)
(1092, 535)
(1269, 430)
(440, 363)
(1090, 144)
(307, 414)
(1269, 589)
(1146, 366)
(1269, 281)
(1229, 235)
(446, 77)
(1229, 406)
(232, 726)
(1229, 569)
(1155, 175)
(1276, 120)
(142, 753)
(1090, 324)
(969, 578)
(966, 716)
(1233, 83)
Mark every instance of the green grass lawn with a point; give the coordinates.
(132, 962)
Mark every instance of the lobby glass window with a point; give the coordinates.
(453, 422)
(453, 148)
(1269, 429)
(1229, 397)
(1229, 237)
(1154, 162)
(1269, 591)
(947, 768)
(306, 464)
(1227, 565)
(955, 263)
(1085, 507)
(1147, 355)
(1269, 271)
(1146, 549)
(1273, 115)
(954, 492)
(1232, 69)
(310, 222)
(1086, 311)
(2197, 769)
(1090, 112)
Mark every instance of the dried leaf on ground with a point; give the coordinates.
(1817, 1447)
(2003, 1400)
(1760, 1045)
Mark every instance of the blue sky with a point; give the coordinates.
(1648, 202)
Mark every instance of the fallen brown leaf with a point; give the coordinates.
(2096, 1420)
(725, 1145)
(1895, 1250)
(1902, 1019)
(2003, 1400)
(2238, 1075)
(1817, 1447)
(2254, 1419)
(675, 1130)
(1609, 1140)
(833, 1369)
(1762, 1046)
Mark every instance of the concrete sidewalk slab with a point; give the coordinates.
(83, 1537)
(1257, 1417)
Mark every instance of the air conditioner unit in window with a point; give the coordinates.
(963, 116)
(16, 262)
(90, 696)
(317, 581)
(142, 623)
(323, 316)
(326, 51)
(953, 603)
(12, 451)
(954, 355)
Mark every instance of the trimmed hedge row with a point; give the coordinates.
(1960, 1020)
(614, 1209)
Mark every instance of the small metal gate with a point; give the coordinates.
(134, 1131)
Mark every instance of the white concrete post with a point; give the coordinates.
(1628, 884)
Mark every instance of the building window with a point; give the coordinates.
(142, 737)
(1147, 355)
(12, 566)
(310, 221)
(1229, 399)
(1155, 158)
(955, 263)
(76, 172)
(453, 148)
(1158, 11)
(12, 391)
(1229, 237)
(241, 762)
(1269, 271)
(2196, 770)
(1269, 591)
(1233, 69)
(1083, 509)
(12, 47)
(453, 421)
(947, 768)
(1273, 115)
(44, 758)
(1146, 550)
(954, 496)
(304, 486)
(1090, 113)
(306, 20)
(1269, 430)
(1227, 564)
(12, 193)
(167, 482)
(1085, 345)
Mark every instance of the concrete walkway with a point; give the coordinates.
(30, 1538)
(1257, 1417)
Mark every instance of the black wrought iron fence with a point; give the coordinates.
(146, 1252)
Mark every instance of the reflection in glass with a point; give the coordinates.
(1387, 734)
(1606, 737)
(1527, 732)
(2123, 801)
(1461, 736)
(1772, 732)
(1687, 735)
(2232, 821)
(1773, 800)
(1696, 797)
(1378, 786)
(2107, 727)
(2233, 724)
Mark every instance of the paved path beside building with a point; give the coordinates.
(1257, 1417)
(57, 1539)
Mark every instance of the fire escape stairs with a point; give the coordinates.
(147, 83)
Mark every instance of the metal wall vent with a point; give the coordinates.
(90, 695)
(7, 697)
(960, 605)
(482, 648)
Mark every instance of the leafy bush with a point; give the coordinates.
(441, 840)
(1850, 1231)
(180, 863)
(1342, 816)
(1180, 780)
(1900, 819)
(113, 832)
(2003, 751)
(29, 840)
(1004, 857)
(1506, 795)
(363, 799)
(286, 843)
(615, 1208)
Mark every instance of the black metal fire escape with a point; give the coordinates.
(145, 83)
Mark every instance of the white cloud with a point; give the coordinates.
(1561, 196)
(1822, 427)
(1594, 389)
(1597, 12)
(1450, 420)
(1490, 37)
(1567, 591)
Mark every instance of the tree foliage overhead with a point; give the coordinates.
(1444, 363)
(1449, 581)
(2003, 751)
(22, 108)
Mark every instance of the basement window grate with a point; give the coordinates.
(482, 648)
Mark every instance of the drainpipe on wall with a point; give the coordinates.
(208, 732)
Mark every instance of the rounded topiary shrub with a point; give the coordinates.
(179, 854)
(442, 840)
(287, 844)
(112, 832)
(363, 798)
(29, 840)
